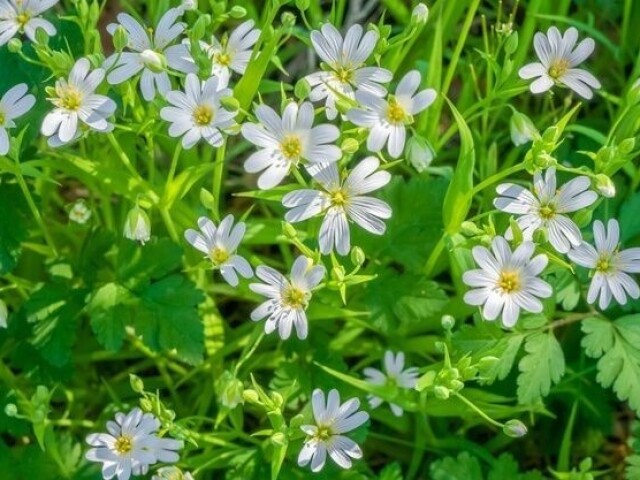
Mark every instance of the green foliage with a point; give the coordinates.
(467, 467)
(13, 225)
(542, 366)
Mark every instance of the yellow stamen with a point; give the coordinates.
(123, 444)
(509, 282)
(339, 198)
(344, 75)
(202, 115)
(294, 297)
(222, 58)
(547, 212)
(604, 264)
(291, 147)
(395, 113)
(3, 118)
(23, 19)
(558, 68)
(69, 97)
(218, 255)
(323, 434)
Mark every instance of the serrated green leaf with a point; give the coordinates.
(110, 311)
(14, 214)
(541, 367)
(462, 467)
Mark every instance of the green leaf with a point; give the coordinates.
(616, 346)
(137, 264)
(628, 217)
(457, 202)
(462, 467)
(14, 214)
(505, 467)
(632, 472)
(110, 312)
(168, 319)
(542, 366)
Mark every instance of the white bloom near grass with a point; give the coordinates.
(288, 141)
(387, 118)
(344, 71)
(150, 54)
(77, 104)
(609, 265)
(131, 446)
(232, 54)
(196, 113)
(394, 374)
(137, 226)
(288, 299)
(546, 207)
(219, 244)
(24, 16)
(340, 201)
(506, 281)
(332, 420)
(79, 212)
(559, 55)
(13, 104)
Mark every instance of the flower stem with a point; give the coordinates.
(218, 173)
(476, 409)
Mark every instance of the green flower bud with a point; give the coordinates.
(338, 272)
(511, 45)
(120, 38)
(419, 153)
(441, 392)
(154, 61)
(189, 4)
(626, 146)
(514, 428)
(522, 129)
(11, 410)
(4, 313)
(137, 227)
(302, 89)
(14, 45)
(146, 404)
(605, 185)
(137, 385)
(42, 37)
(230, 103)
(232, 395)
(279, 439)
(447, 322)
(357, 256)
(350, 145)
(288, 20)
(237, 12)
(206, 198)
(302, 4)
(251, 396)
(487, 362)
(456, 385)
(470, 229)
(289, 230)
(420, 14)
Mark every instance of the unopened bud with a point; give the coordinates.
(289, 230)
(420, 13)
(514, 428)
(302, 89)
(470, 229)
(230, 103)
(522, 129)
(487, 362)
(120, 38)
(237, 12)
(357, 256)
(232, 395)
(420, 153)
(42, 37)
(4, 313)
(146, 404)
(279, 439)
(626, 146)
(441, 392)
(278, 400)
(349, 145)
(10, 410)
(189, 4)
(251, 396)
(154, 61)
(605, 186)
(137, 385)
(137, 226)
(447, 322)
(14, 45)
(288, 19)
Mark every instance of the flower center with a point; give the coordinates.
(3, 117)
(123, 444)
(323, 434)
(202, 115)
(291, 147)
(344, 75)
(509, 282)
(604, 265)
(339, 198)
(69, 98)
(558, 68)
(22, 19)
(294, 297)
(218, 255)
(222, 58)
(395, 113)
(547, 212)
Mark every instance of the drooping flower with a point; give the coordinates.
(131, 446)
(394, 374)
(345, 71)
(234, 53)
(340, 201)
(285, 143)
(387, 119)
(332, 420)
(150, 55)
(546, 207)
(76, 104)
(24, 16)
(558, 57)
(137, 227)
(287, 298)
(506, 281)
(220, 245)
(196, 113)
(13, 104)
(79, 212)
(609, 265)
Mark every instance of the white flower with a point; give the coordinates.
(545, 207)
(287, 299)
(77, 103)
(420, 13)
(13, 104)
(232, 54)
(609, 265)
(4, 313)
(506, 282)
(346, 73)
(387, 119)
(131, 446)
(419, 153)
(558, 59)
(220, 245)
(24, 16)
(288, 141)
(196, 113)
(150, 54)
(341, 201)
(332, 420)
(394, 374)
(79, 212)
(171, 473)
(137, 227)
(522, 129)
(189, 4)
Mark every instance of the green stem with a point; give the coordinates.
(476, 409)
(218, 173)
(174, 164)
